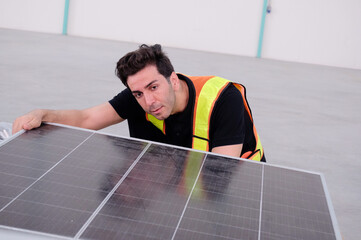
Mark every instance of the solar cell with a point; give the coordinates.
(150, 200)
(226, 201)
(294, 205)
(58, 181)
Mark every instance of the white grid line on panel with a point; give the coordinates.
(189, 197)
(260, 206)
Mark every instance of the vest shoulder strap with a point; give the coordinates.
(208, 90)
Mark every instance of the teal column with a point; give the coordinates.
(260, 41)
(65, 20)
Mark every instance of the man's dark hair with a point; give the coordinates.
(146, 55)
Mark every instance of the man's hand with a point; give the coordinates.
(28, 121)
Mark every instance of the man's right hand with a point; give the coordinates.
(28, 121)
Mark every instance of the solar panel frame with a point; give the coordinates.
(35, 233)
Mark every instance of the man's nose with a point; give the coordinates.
(149, 99)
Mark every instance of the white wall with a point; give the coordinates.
(312, 31)
(326, 32)
(32, 15)
(230, 26)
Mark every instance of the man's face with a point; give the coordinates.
(153, 92)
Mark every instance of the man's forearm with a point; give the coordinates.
(67, 117)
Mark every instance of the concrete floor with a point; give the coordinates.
(308, 116)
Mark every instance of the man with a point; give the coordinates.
(206, 113)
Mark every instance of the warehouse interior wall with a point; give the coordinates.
(317, 32)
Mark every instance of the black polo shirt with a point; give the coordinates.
(230, 123)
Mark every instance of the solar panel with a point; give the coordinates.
(62, 182)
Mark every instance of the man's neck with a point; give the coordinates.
(182, 97)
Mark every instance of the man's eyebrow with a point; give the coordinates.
(149, 84)
(136, 92)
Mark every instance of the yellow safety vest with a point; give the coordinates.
(208, 89)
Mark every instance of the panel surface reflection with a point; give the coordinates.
(27, 157)
(62, 200)
(225, 203)
(149, 202)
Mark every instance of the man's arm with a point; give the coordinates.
(95, 118)
(230, 150)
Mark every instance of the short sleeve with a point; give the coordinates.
(125, 104)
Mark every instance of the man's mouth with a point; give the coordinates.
(156, 110)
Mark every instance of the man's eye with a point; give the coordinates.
(154, 87)
(137, 95)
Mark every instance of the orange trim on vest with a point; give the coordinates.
(241, 88)
(199, 82)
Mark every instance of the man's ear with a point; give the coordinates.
(174, 80)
